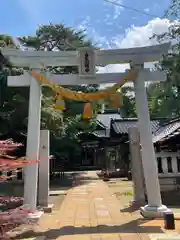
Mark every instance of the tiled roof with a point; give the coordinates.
(167, 131)
(105, 118)
(122, 125)
(160, 131)
(102, 133)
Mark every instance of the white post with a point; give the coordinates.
(137, 170)
(32, 151)
(154, 207)
(164, 165)
(43, 189)
(174, 164)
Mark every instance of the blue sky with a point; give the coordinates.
(103, 21)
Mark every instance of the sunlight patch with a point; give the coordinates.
(164, 236)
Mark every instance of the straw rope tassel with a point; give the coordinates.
(79, 96)
(59, 103)
(115, 100)
(88, 111)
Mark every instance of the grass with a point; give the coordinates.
(127, 193)
(123, 191)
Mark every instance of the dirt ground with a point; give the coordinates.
(123, 190)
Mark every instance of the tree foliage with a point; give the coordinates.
(14, 101)
(128, 108)
(164, 97)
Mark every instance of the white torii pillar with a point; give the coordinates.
(154, 207)
(43, 187)
(136, 166)
(32, 149)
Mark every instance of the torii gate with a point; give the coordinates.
(136, 57)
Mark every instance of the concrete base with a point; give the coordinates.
(113, 181)
(35, 215)
(154, 212)
(48, 209)
(57, 193)
(36, 238)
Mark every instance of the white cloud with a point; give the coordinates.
(84, 25)
(114, 68)
(140, 36)
(137, 37)
(99, 40)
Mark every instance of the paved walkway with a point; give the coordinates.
(91, 212)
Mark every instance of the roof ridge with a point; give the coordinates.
(136, 119)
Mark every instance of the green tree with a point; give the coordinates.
(12, 100)
(165, 97)
(58, 37)
(128, 108)
(49, 37)
(174, 10)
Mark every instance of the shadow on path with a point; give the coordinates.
(129, 209)
(131, 227)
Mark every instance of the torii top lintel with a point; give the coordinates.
(28, 58)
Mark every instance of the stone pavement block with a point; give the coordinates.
(144, 236)
(110, 237)
(172, 236)
(129, 236)
(93, 218)
(67, 222)
(82, 225)
(68, 237)
(93, 221)
(95, 237)
(104, 220)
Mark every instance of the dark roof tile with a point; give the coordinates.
(121, 126)
(105, 118)
(167, 131)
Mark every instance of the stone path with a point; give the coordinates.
(91, 212)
